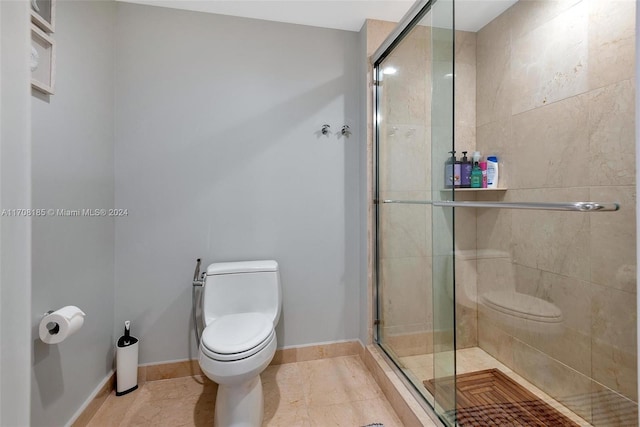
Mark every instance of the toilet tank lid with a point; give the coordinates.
(241, 267)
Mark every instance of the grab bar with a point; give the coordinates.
(562, 206)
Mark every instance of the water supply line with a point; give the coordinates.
(198, 282)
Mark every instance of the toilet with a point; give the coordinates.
(522, 312)
(241, 306)
(506, 307)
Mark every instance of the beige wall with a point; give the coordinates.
(405, 164)
(555, 101)
(465, 219)
(405, 158)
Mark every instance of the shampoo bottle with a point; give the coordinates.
(449, 169)
(457, 174)
(492, 172)
(465, 171)
(476, 176)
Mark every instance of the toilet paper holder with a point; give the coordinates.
(52, 327)
(56, 326)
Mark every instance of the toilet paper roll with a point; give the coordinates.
(57, 326)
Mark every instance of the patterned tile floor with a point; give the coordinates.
(327, 392)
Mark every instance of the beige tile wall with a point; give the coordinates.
(555, 101)
(405, 155)
(465, 220)
(405, 163)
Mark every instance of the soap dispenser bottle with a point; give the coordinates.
(476, 157)
(465, 171)
(449, 170)
(476, 176)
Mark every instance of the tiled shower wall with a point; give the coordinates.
(555, 101)
(404, 158)
(405, 164)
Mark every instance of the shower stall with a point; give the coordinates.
(515, 304)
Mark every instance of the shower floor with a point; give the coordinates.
(421, 368)
(491, 397)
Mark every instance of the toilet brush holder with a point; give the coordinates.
(126, 362)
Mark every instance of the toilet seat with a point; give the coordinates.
(237, 336)
(523, 306)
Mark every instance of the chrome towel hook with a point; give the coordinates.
(325, 129)
(345, 131)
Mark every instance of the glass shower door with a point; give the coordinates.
(514, 305)
(414, 253)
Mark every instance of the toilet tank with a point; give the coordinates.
(242, 287)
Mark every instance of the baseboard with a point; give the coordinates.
(317, 351)
(190, 367)
(89, 408)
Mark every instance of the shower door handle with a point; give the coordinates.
(560, 206)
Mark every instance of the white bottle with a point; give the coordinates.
(492, 172)
(476, 157)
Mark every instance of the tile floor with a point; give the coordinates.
(328, 392)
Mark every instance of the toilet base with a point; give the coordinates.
(240, 405)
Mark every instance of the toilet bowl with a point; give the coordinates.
(506, 307)
(241, 306)
(466, 292)
(522, 312)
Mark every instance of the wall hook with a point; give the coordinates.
(325, 129)
(345, 131)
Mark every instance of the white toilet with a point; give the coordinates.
(522, 312)
(506, 307)
(241, 306)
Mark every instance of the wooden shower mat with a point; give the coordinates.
(489, 398)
